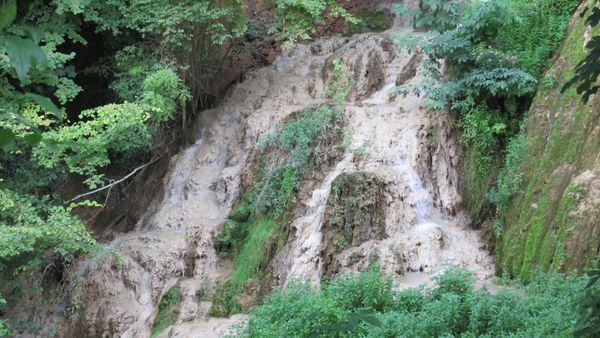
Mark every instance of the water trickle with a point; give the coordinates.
(422, 197)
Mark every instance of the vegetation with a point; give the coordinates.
(369, 21)
(93, 91)
(542, 217)
(297, 20)
(168, 310)
(368, 305)
(90, 88)
(495, 52)
(257, 227)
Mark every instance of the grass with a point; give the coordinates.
(168, 310)
(250, 263)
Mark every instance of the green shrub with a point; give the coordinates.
(588, 325)
(538, 31)
(32, 227)
(345, 308)
(369, 21)
(510, 176)
(297, 20)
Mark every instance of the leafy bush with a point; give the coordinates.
(296, 20)
(341, 84)
(85, 147)
(493, 53)
(588, 325)
(30, 227)
(366, 305)
(537, 32)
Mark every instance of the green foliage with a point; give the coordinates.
(31, 226)
(588, 325)
(168, 310)
(254, 255)
(298, 146)
(342, 82)
(297, 20)
(369, 21)
(171, 53)
(588, 69)
(537, 32)
(4, 329)
(493, 52)
(476, 69)
(120, 130)
(434, 14)
(367, 305)
(510, 177)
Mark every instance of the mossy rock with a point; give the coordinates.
(354, 214)
(553, 224)
(370, 21)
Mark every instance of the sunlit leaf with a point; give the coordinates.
(46, 104)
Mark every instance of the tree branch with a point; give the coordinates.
(109, 186)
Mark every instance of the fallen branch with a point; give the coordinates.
(109, 186)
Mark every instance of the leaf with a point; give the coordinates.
(23, 53)
(8, 12)
(33, 138)
(51, 145)
(46, 104)
(6, 137)
(34, 33)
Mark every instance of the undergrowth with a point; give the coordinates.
(368, 305)
(257, 226)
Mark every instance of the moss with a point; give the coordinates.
(168, 310)
(354, 214)
(250, 263)
(560, 145)
(370, 21)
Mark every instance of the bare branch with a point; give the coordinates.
(109, 186)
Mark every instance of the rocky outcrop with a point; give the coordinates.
(354, 214)
(554, 222)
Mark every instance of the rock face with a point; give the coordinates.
(554, 222)
(391, 197)
(354, 214)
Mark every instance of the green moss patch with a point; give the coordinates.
(561, 144)
(168, 310)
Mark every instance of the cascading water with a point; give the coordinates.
(424, 226)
